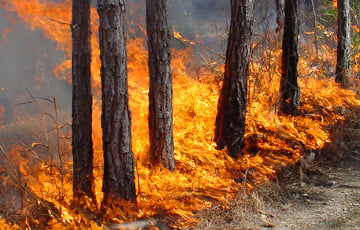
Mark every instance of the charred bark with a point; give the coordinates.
(160, 92)
(118, 181)
(230, 119)
(289, 89)
(342, 74)
(82, 146)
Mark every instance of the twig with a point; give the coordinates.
(14, 175)
(60, 22)
(138, 178)
(57, 126)
(42, 120)
(181, 42)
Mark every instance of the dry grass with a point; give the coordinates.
(245, 211)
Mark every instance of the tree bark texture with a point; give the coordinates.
(230, 119)
(160, 92)
(289, 89)
(342, 74)
(118, 181)
(82, 146)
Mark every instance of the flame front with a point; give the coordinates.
(203, 175)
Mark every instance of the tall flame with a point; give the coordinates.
(203, 174)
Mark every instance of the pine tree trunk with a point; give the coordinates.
(343, 49)
(230, 120)
(118, 181)
(160, 93)
(82, 146)
(289, 89)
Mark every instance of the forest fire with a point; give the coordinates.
(203, 175)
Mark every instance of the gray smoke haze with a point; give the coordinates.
(28, 57)
(27, 62)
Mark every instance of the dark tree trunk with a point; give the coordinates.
(230, 119)
(289, 89)
(118, 181)
(343, 49)
(82, 146)
(280, 14)
(160, 93)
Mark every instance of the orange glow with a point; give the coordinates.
(2, 110)
(203, 175)
(4, 33)
(334, 3)
(178, 36)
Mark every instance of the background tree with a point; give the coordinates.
(289, 89)
(160, 93)
(230, 119)
(118, 181)
(342, 74)
(82, 146)
(280, 14)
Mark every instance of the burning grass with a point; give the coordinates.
(204, 176)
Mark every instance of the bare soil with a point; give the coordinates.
(307, 196)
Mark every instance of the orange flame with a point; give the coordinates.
(203, 174)
(178, 36)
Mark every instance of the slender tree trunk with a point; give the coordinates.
(160, 93)
(118, 181)
(315, 29)
(280, 14)
(230, 119)
(82, 146)
(342, 74)
(289, 89)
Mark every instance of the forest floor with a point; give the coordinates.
(319, 194)
(329, 199)
(326, 198)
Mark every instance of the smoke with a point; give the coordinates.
(29, 58)
(27, 62)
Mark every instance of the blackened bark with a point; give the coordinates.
(160, 93)
(342, 74)
(230, 119)
(289, 89)
(82, 146)
(118, 181)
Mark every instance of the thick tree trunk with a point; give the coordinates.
(118, 181)
(82, 146)
(230, 119)
(343, 49)
(160, 93)
(289, 89)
